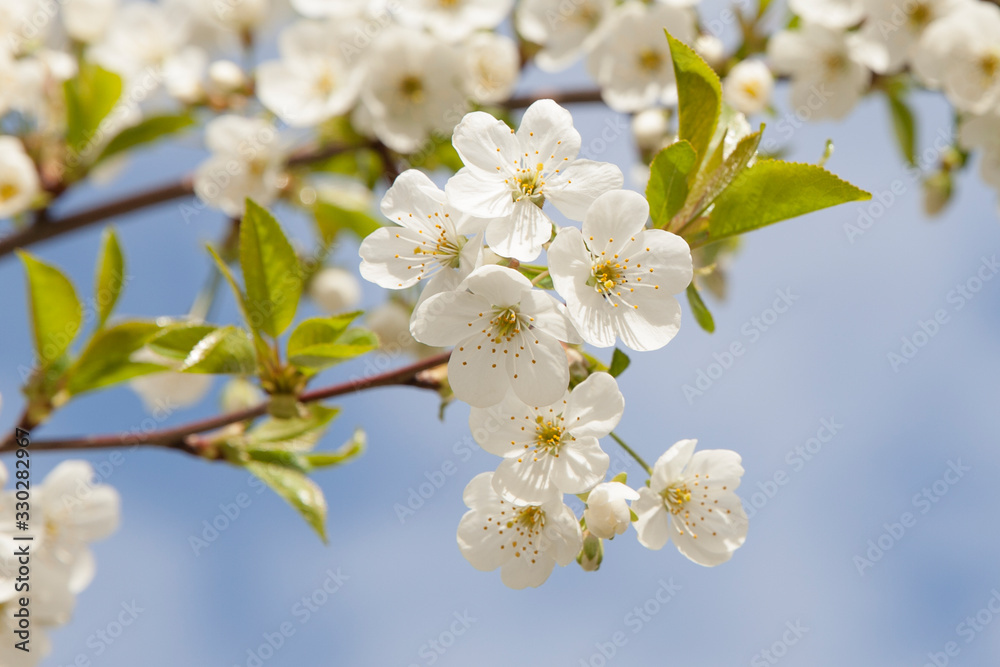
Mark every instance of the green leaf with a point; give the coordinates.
(146, 131)
(323, 341)
(350, 450)
(772, 191)
(699, 96)
(667, 189)
(55, 310)
(264, 353)
(110, 276)
(331, 219)
(271, 271)
(299, 434)
(700, 310)
(298, 490)
(106, 360)
(90, 97)
(227, 350)
(619, 362)
(175, 341)
(904, 125)
(621, 478)
(710, 184)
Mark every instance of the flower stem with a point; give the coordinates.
(632, 453)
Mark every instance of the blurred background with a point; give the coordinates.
(838, 441)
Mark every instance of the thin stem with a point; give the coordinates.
(632, 453)
(540, 277)
(184, 438)
(558, 96)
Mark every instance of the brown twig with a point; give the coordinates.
(558, 96)
(182, 438)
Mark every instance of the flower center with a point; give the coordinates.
(588, 15)
(549, 435)
(529, 184)
(921, 15)
(752, 89)
(607, 276)
(674, 497)
(446, 250)
(8, 191)
(506, 324)
(531, 519)
(326, 83)
(835, 62)
(650, 60)
(989, 64)
(412, 88)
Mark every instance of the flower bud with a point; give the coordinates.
(711, 49)
(607, 513)
(592, 554)
(225, 76)
(335, 290)
(649, 128)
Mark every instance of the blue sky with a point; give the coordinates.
(402, 593)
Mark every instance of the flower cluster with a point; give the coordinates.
(68, 511)
(611, 279)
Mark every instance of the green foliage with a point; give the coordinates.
(270, 271)
(772, 191)
(699, 93)
(700, 310)
(90, 97)
(331, 219)
(110, 276)
(106, 360)
(175, 341)
(298, 491)
(298, 434)
(324, 341)
(146, 131)
(56, 313)
(904, 124)
(225, 350)
(619, 362)
(712, 183)
(667, 189)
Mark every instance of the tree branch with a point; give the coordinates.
(184, 437)
(558, 96)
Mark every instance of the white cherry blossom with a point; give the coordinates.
(552, 449)
(88, 20)
(429, 245)
(983, 133)
(524, 541)
(632, 62)
(748, 87)
(247, 161)
(493, 64)
(618, 278)
(313, 81)
(335, 290)
(607, 512)
(829, 68)
(142, 38)
(830, 13)
(961, 54)
(900, 25)
(508, 176)
(565, 30)
(506, 336)
(19, 184)
(413, 88)
(692, 498)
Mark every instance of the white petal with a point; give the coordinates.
(575, 188)
(526, 479)
(669, 468)
(547, 134)
(447, 318)
(711, 532)
(499, 285)
(581, 466)
(595, 407)
(523, 572)
(549, 315)
(613, 220)
(486, 143)
(538, 368)
(503, 429)
(571, 267)
(471, 191)
(653, 525)
(520, 234)
(562, 534)
(477, 374)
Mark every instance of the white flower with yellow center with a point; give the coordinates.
(454, 20)
(692, 498)
(748, 87)
(618, 278)
(19, 183)
(829, 68)
(564, 30)
(631, 62)
(607, 512)
(983, 133)
(506, 336)
(524, 541)
(247, 161)
(493, 65)
(509, 175)
(313, 81)
(552, 449)
(413, 88)
(428, 246)
(900, 25)
(961, 54)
